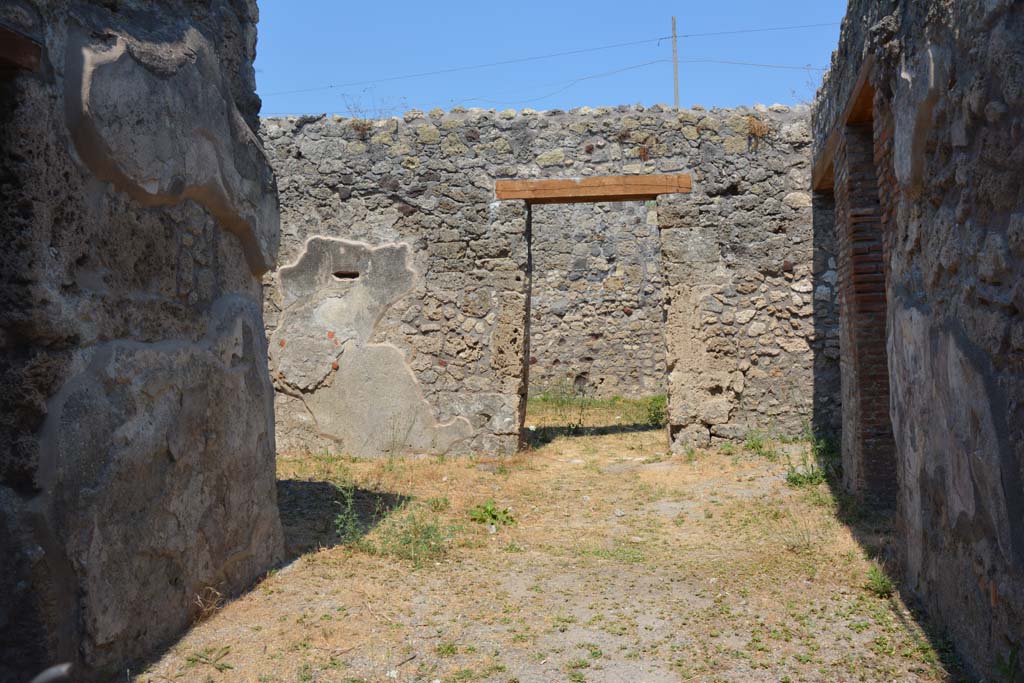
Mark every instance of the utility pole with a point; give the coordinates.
(675, 62)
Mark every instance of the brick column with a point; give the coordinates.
(869, 468)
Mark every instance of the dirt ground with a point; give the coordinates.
(599, 558)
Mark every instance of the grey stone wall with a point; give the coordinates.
(950, 93)
(137, 436)
(460, 319)
(750, 308)
(596, 311)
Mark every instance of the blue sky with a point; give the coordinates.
(360, 48)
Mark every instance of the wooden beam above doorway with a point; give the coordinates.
(615, 188)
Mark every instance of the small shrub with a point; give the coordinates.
(488, 513)
(656, 410)
(878, 583)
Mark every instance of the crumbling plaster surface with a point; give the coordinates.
(137, 461)
(427, 181)
(360, 395)
(951, 75)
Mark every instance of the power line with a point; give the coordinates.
(568, 85)
(757, 30)
(553, 55)
(693, 60)
(456, 69)
(701, 60)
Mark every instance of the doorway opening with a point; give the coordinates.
(856, 168)
(596, 347)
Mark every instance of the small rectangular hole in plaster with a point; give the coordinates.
(346, 275)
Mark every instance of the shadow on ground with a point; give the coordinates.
(310, 513)
(542, 436)
(873, 526)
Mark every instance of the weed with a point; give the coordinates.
(757, 443)
(209, 601)
(562, 623)
(414, 537)
(800, 536)
(346, 522)
(447, 649)
(211, 656)
(805, 473)
(878, 583)
(305, 673)
(619, 552)
(757, 130)
(820, 498)
(362, 128)
(439, 504)
(488, 513)
(1009, 666)
(826, 454)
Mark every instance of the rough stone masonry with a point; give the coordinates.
(137, 435)
(596, 308)
(919, 137)
(406, 287)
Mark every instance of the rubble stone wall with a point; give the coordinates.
(596, 311)
(948, 126)
(423, 186)
(137, 434)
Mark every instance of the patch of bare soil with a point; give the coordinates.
(593, 558)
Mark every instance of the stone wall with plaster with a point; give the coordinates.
(426, 182)
(137, 435)
(948, 127)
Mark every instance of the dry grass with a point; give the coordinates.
(622, 564)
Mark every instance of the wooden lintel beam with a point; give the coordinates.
(619, 188)
(858, 109)
(18, 51)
